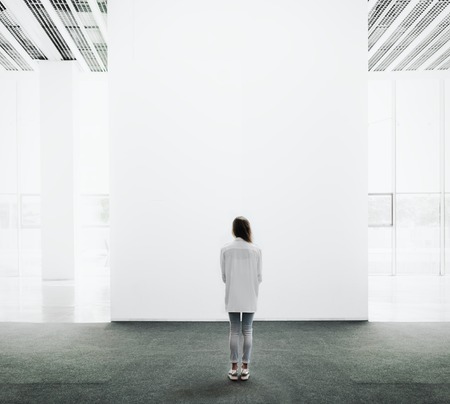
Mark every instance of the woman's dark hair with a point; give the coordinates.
(242, 229)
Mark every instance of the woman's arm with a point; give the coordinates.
(222, 266)
(259, 266)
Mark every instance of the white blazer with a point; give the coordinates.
(241, 264)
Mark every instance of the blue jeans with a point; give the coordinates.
(247, 331)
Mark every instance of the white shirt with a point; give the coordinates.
(241, 264)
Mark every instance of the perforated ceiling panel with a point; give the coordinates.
(69, 29)
(409, 35)
(48, 25)
(92, 29)
(403, 35)
(13, 54)
(16, 30)
(382, 17)
(69, 16)
(6, 63)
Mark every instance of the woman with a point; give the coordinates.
(241, 266)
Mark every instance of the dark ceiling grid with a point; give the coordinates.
(441, 59)
(64, 12)
(14, 28)
(376, 12)
(49, 27)
(403, 35)
(13, 54)
(417, 38)
(418, 28)
(7, 64)
(103, 6)
(376, 30)
(92, 29)
(71, 27)
(402, 27)
(432, 36)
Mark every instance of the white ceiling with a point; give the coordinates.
(409, 35)
(402, 34)
(53, 30)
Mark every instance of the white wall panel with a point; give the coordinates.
(417, 109)
(8, 140)
(447, 133)
(380, 136)
(94, 135)
(28, 122)
(222, 108)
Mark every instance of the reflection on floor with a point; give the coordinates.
(85, 300)
(409, 298)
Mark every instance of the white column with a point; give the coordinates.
(58, 156)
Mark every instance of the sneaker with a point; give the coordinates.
(245, 374)
(233, 374)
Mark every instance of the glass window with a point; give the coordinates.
(380, 250)
(30, 206)
(95, 210)
(9, 265)
(380, 210)
(94, 235)
(380, 233)
(418, 233)
(447, 234)
(30, 252)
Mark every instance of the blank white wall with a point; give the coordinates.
(93, 162)
(447, 133)
(8, 138)
(19, 133)
(28, 122)
(380, 111)
(417, 135)
(221, 108)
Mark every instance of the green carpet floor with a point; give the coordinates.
(303, 362)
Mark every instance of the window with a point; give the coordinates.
(94, 237)
(380, 233)
(409, 156)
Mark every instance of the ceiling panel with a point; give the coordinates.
(74, 29)
(403, 35)
(409, 35)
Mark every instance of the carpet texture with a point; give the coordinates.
(301, 362)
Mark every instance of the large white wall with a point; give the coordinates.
(228, 107)
(93, 156)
